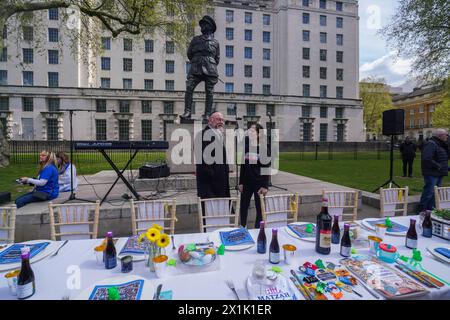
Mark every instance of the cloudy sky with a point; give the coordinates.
(376, 58)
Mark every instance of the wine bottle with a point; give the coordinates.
(26, 285)
(262, 241)
(346, 244)
(323, 229)
(335, 232)
(274, 251)
(110, 252)
(427, 225)
(411, 235)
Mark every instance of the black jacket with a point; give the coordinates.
(204, 55)
(408, 150)
(251, 172)
(435, 156)
(212, 179)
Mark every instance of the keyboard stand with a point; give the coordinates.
(120, 174)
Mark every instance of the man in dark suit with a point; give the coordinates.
(408, 152)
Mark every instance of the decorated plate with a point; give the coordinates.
(216, 238)
(298, 231)
(130, 247)
(276, 289)
(197, 254)
(396, 230)
(40, 249)
(440, 251)
(129, 288)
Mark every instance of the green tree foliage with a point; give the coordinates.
(441, 115)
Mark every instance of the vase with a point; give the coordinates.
(152, 252)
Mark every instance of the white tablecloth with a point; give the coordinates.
(54, 274)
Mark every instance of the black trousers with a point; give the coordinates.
(246, 196)
(408, 163)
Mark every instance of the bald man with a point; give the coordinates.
(213, 171)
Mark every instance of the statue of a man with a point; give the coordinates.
(204, 55)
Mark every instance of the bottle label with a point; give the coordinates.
(346, 251)
(274, 257)
(411, 243)
(335, 238)
(261, 247)
(25, 291)
(427, 232)
(110, 262)
(325, 239)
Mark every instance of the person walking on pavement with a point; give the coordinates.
(408, 151)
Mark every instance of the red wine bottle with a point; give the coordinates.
(262, 241)
(110, 252)
(323, 229)
(274, 250)
(411, 235)
(335, 231)
(346, 244)
(427, 225)
(26, 285)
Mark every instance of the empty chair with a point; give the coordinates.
(279, 210)
(340, 201)
(7, 224)
(146, 213)
(442, 197)
(74, 221)
(217, 213)
(393, 200)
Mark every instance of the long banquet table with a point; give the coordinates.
(54, 273)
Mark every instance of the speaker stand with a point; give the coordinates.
(391, 181)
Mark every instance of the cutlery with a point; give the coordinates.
(158, 291)
(230, 285)
(173, 244)
(65, 242)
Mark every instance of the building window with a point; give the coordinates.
(53, 104)
(28, 78)
(305, 18)
(170, 66)
(3, 77)
(323, 91)
(340, 132)
(339, 113)
(248, 35)
(306, 71)
(324, 112)
(411, 123)
(305, 35)
(231, 109)
(266, 19)
(4, 55)
(306, 90)
(248, 71)
(28, 55)
(52, 129)
(168, 107)
(229, 87)
(105, 83)
(266, 89)
(170, 85)
(124, 106)
(127, 64)
(340, 92)
(124, 130)
(323, 21)
(306, 53)
(100, 129)
(266, 54)
(100, 105)
(229, 32)
(323, 73)
(421, 109)
(127, 44)
(323, 55)
(411, 112)
(229, 70)
(5, 32)
(53, 57)
(266, 36)
(323, 4)
(323, 132)
(323, 37)
(146, 106)
(338, 6)
(251, 109)
(305, 3)
(339, 22)
(229, 15)
(340, 56)
(248, 17)
(307, 132)
(270, 109)
(229, 51)
(248, 88)
(28, 33)
(148, 45)
(170, 47)
(306, 111)
(340, 39)
(146, 128)
(148, 84)
(53, 34)
(27, 128)
(4, 103)
(266, 72)
(127, 83)
(106, 63)
(106, 43)
(248, 52)
(340, 74)
(53, 14)
(187, 67)
(148, 65)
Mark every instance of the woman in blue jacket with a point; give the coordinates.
(46, 184)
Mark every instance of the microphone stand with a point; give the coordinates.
(270, 152)
(236, 131)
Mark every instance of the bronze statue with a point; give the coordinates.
(204, 55)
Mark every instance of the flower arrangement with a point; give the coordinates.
(155, 240)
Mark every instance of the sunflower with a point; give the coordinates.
(157, 227)
(153, 234)
(163, 241)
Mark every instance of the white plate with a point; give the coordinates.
(255, 291)
(119, 246)
(292, 233)
(215, 237)
(146, 294)
(438, 255)
(365, 223)
(50, 249)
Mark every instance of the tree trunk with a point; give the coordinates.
(4, 149)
